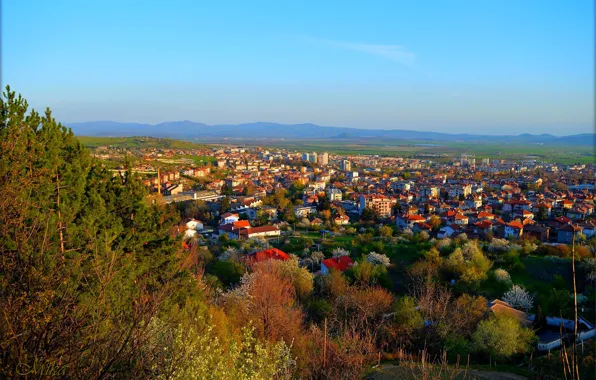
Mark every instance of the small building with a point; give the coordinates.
(338, 263)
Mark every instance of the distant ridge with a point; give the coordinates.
(186, 130)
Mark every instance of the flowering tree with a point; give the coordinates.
(196, 352)
(229, 253)
(498, 245)
(589, 267)
(502, 275)
(443, 244)
(519, 297)
(339, 252)
(407, 231)
(378, 259)
(317, 256)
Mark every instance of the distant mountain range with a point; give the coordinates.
(189, 130)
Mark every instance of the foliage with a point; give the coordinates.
(519, 298)
(407, 315)
(468, 263)
(339, 252)
(502, 337)
(503, 276)
(195, 351)
(228, 271)
(378, 259)
(367, 273)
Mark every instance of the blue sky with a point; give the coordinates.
(490, 67)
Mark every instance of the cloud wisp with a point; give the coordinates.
(395, 53)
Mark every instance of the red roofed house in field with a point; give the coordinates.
(339, 263)
(268, 254)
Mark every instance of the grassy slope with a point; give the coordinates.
(137, 142)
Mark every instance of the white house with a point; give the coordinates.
(229, 218)
(193, 224)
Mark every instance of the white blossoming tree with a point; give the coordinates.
(339, 252)
(498, 245)
(378, 259)
(519, 298)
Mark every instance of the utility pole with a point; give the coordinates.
(575, 373)
(325, 345)
(158, 182)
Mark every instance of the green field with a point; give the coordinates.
(564, 154)
(137, 142)
(409, 148)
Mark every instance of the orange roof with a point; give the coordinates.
(515, 224)
(241, 224)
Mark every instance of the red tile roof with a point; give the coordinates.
(342, 263)
(268, 254)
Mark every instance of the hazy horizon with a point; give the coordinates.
(502, 68)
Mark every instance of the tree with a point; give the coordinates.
(84, 249)
(225, 204)
(542, 214)
(468, 263)
(503, 337)
(501, 275)
(339, 252)
(407, 315)
(518, 297)
(435, 222)
(385, 231)
(378, 259)
(368, 214)
(226, 190)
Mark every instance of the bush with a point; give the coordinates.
(228, 272)
(501, 275)
(503, 337)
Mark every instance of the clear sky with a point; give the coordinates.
(478, 66)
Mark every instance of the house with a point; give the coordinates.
(461, 219)
(342, 220)
(483, 227)
(334, 195)
(304, 211)
(192, 224)
(338, 263)
(513, 229)
(536, 208)
(588, 228)
(565, 234)
(408, 220)
(255, 232)
(228, 218)
(445, 232)
(316, 222)
(503, 309)
(268, 254)
(536, 231)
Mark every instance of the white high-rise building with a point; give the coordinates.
(346, 165)
(313, 157)
(305, 157)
